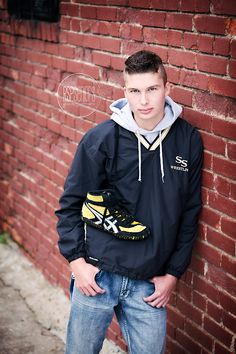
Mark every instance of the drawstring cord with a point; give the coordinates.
(139, 159)
(161, 159)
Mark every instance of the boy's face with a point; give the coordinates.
(146, 94)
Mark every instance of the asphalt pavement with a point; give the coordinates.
(33, 313)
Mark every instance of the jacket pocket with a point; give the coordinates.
(97, 242)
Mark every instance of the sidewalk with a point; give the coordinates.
(33, 313)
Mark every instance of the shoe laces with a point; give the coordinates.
(121, 215)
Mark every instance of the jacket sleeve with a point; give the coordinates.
(180, 259)
(87, 172)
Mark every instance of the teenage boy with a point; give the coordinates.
(129, 213)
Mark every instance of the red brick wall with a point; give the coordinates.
(196, 40)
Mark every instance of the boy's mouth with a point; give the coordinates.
(145, 111)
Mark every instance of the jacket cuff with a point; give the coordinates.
(174, 272)
(76, 256)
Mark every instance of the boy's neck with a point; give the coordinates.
(148, 125)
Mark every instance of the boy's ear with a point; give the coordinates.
(167, 89)
(125, 91)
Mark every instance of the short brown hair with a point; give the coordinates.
(145, 61)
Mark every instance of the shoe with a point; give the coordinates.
(101, 210)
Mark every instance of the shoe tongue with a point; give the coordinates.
(109, 198)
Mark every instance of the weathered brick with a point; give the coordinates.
(218, 107)
(117, 63)
(184, 290)
(190, 40)
(179, 21)
(189, 310)
(65, 22)
(173, 74)
(140, 3)
(221, 46)
(222, 86)
(221, 279)
(199, 335)
(232, 68)
(175, 38)
(195, 6)
(106, 13)
(218, 240)
(182, 95)
(229, 264)
(211, 64)
(233, 48)
(217, 331)
(196, 118)
(106, 28)
(182, 58)
(210, 24)
(208, 182)
(69, 9)
(189, 345)
(209, 253)
(175, 316)
(204, 287)
(213, 143)
(165, 5)
(205, 43)
(223, 8)
(88, 11)
(110, 44)
(222, 204)
(102, 59)
(155, 18)
(227, 302)
(224, 167)
(219, 349)
(222, 185)
(155, 35)
(199, 301)
(233, 190)
(228, 226)
(193, 79)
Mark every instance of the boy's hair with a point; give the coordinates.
(145, 61)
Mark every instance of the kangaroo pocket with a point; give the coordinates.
(104, 248)
(99, 246)
(136, 259)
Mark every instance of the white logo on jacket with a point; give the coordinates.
(182, 164)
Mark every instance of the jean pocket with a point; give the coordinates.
(98, 274)
(71, 287)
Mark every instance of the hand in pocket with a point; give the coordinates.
(85, 277)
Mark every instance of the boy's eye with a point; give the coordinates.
(152, 89)
(134, 91)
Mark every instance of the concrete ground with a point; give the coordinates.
(33, 313)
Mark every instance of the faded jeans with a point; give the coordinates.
(143, 326)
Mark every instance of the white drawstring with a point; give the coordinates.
(139, 159)
(161, 159)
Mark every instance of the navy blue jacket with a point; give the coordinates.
(170, 209)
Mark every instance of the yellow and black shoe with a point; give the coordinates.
(100, 210)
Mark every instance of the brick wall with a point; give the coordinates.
(196, 40)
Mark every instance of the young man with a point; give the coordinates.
(146, 162)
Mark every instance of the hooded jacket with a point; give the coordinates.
(156, 176)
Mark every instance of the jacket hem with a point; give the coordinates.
(122, 271)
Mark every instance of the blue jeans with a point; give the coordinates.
(143, 326)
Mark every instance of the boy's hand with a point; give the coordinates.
(164, 285)
(85, 277)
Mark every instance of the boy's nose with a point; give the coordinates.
(143, 100)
